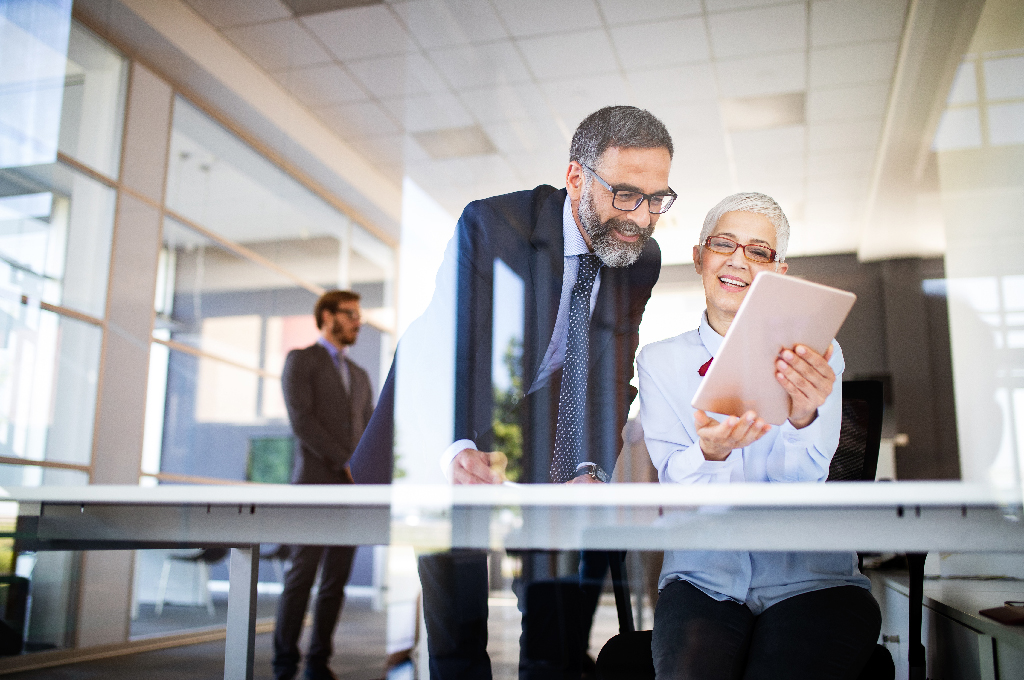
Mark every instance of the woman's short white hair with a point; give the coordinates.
(754, 203)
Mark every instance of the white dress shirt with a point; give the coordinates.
(668, 380)
(574, 246)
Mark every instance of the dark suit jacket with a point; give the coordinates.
(326, 421)
(524, 230)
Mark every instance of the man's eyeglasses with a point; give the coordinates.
(352, 314)
(754, 252)
(627, 201)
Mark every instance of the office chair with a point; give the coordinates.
(627, 656)
(201, 560)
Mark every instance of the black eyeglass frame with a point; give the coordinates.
(744, 246)
(672, 196)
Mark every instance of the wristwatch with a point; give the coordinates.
(592, 469)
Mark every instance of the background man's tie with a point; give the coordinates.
(572, 400)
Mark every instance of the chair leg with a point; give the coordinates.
(161, 591)
(204, 586)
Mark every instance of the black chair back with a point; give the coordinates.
(860, 433)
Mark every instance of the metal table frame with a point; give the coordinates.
(913, 517)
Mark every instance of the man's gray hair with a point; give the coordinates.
(622, 126)
(753, 203)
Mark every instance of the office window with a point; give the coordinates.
(246, 252)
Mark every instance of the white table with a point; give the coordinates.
(903, 517)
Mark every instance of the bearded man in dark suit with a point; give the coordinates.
(587, 264)
(329, 401)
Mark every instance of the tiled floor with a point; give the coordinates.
(359, 647)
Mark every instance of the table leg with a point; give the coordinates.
(241, 631)
(915, 648)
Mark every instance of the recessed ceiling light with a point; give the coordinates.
(301, 8)
(762, 113)
(455, 142)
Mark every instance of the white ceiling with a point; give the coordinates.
(527, 71)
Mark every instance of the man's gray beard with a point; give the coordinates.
(612, 251)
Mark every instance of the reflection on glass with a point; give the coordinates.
(93, 110)
(980, 146)
(507, 365)
(33, 49)
(48, 365)
(56, 227)
(200, 284)
(217, 181)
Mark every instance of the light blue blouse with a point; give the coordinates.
(668, 380)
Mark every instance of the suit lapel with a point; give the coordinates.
(547, 262)
(603, 320)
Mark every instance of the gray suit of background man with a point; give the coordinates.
(329, 401)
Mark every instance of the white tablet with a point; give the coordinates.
(778, 311)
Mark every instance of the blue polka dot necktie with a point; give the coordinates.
(572, 400)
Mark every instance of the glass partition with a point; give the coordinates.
(95, 86)
(56, 226)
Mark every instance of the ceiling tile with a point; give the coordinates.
(824, 234)
(662, 43)
(857, 101)
(469, 66)
(278, 45)
(398, 76)
(851, 187)
(434, 111)
(687, 83)
(700, 172)
(727, 5)
(386, 150)
(758, 31)
(759, 144)
(228, 13)
(770, 74)
(360, 32)
(697, 119)
(538, 17)
(320, 86)
(822, 214)
(525, 136)
(847, 134)
(559, 56)
(772, 170)
(625, 12)
(575, 98)
(837, 22)
(468, 172)
(506, 102)
(359, 119)
(852, 64)
(441, 23)
(547, 166)
(847, 162)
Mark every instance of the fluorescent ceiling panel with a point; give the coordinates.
(456, 142)
(301, 8)
(763, 113)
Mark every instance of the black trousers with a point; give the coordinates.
(821, 635)
(335, 563)
(455, 590)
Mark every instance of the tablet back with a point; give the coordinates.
(778, 311)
